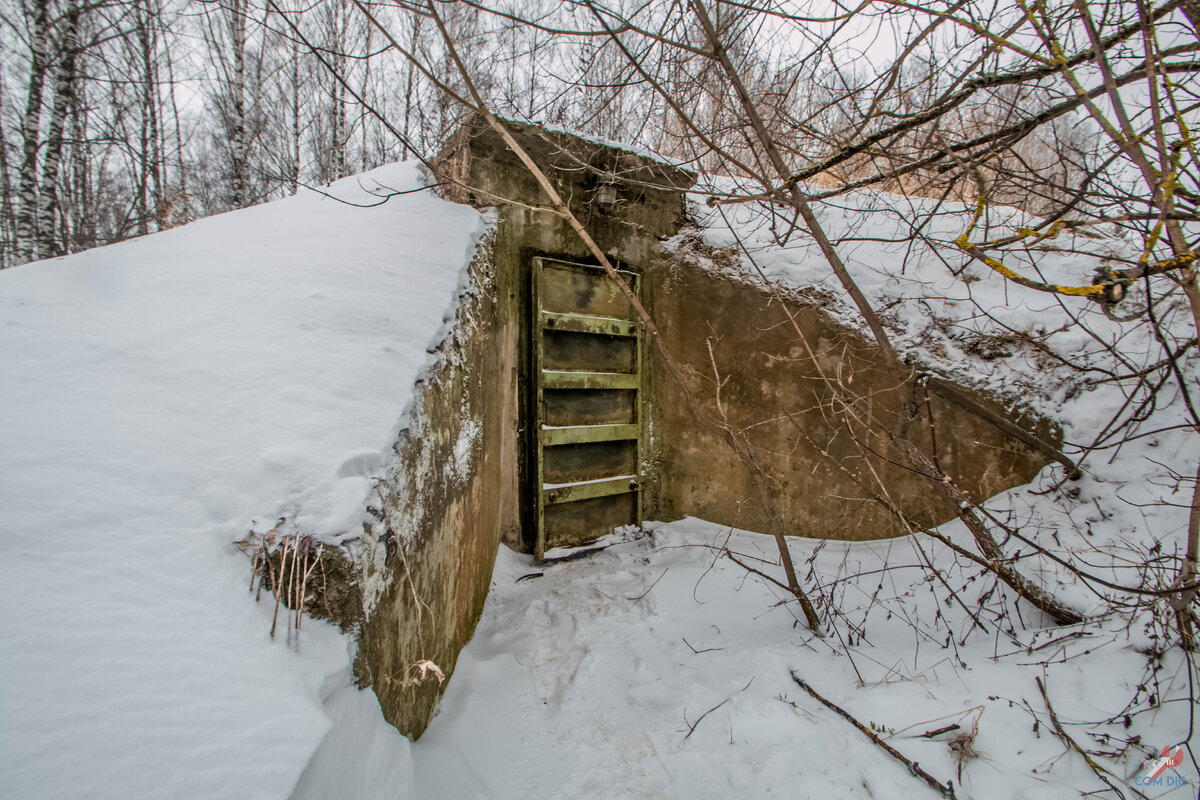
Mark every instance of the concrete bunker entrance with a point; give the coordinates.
(548, 421)
(605, 437)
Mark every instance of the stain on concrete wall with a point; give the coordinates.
(827, 464)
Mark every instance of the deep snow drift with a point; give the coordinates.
(156, 398)
(658, 669)
(159, 397)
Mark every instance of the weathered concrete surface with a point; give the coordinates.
(477, 167)
(822, 475)
(426, 560)
(822, 482)
(413, 586)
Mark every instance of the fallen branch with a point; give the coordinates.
(940, 731)
(698, 652)
(1071, 744)
(944, 789)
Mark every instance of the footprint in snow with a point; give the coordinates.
(550, 651)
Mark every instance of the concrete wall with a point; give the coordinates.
(425, 562)
(822, 479)
(477, 167)
(414, 585)
(822, 475)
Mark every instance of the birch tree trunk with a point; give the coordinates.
(176, 214)
(64, 99)
(150, 153)
(7, 218)
(338, 24)
(294, 173)
(26, 233)
(83, 220)
(363, 119)
(239, 160)
(406, 149)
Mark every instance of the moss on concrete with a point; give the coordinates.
(334, 592)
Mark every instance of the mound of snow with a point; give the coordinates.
(942, 310)
(158, 397)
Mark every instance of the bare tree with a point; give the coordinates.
(226, 34)
(39, 43)
(980, 104)
(64, 97)
(1078, 114)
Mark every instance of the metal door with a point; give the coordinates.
(587, 365)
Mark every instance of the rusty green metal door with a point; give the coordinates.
(587, 367)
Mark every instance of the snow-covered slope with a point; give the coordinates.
(939, 305)
(156, 398)
(659, 669)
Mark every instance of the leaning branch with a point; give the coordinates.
(944, 789)
(478, 104)
(992, 81)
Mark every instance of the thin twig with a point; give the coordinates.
(1073, 745)
(275, 585)
(692, 729)
(656, 580)
(698, 652)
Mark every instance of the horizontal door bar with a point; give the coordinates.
(586, 491)
(555, 263)
(584, 434)
(561, 379)
(580, 323)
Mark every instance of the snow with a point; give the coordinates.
(157, 399)
(656, 669)
(160, 397)
(638, 150)
(938, 305)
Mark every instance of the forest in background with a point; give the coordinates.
(123, 117)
